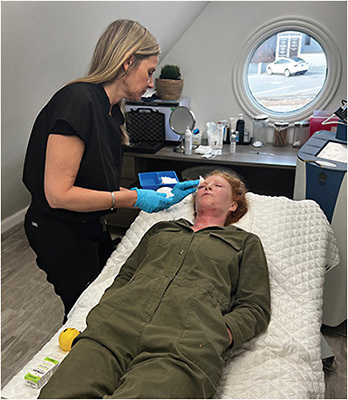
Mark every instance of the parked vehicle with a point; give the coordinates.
(287, 66)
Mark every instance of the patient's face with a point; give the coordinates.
(215, 193)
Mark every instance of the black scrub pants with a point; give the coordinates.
(71, 253)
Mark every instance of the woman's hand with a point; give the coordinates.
(183, 189)
(151, 201)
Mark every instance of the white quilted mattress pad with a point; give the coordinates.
(285, 361)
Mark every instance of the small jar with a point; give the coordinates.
(280, 134)
(196, 138)
(301, 133)
(260, 125)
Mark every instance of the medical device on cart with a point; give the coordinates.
(321, 175)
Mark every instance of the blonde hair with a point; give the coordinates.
(238, 190)
(122, 39)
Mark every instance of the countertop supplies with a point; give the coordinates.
(154, 180)
(280, 133)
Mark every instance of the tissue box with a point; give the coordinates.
(154, 180)
(41, 373)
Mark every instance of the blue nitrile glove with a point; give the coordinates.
(151, 201)
(183, 189)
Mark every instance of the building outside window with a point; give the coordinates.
(286, 55)
(286, 69)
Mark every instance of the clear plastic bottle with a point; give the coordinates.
(260, 125)
(204, 138)
(233, 127)
(188, 141)
(220, 136)
(301, 133)
(233, 143)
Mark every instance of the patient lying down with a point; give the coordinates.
(185, 295)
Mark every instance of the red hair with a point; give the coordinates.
(238, 190)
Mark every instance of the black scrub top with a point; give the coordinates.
(80, 109)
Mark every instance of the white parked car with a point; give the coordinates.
(287, 66)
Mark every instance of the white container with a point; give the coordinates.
(215, 137)
(211, 133)
(40, 374)
(232, 124)
(301, 133)
(260, 126)
(216, 140)
(188, 141)
(196, 139)
(233, 143)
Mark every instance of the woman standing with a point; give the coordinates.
(74, 159)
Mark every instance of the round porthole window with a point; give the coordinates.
(287, 69)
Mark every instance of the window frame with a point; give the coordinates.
(307, 26)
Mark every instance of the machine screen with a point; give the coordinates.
(334, 151)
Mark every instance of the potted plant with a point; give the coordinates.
(169, 85)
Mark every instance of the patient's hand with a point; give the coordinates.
(229, 334)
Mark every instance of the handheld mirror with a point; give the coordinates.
(181, 118)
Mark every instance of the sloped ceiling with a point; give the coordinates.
(44, 45)
(167, 20)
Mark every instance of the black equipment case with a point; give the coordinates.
(146, 129)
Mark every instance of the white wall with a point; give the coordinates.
(47, 44)
(209, 49)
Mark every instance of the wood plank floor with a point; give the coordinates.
(31, 313)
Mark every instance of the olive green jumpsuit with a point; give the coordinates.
(160, 330)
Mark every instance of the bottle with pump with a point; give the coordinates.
(240, 128)
(188, 141)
